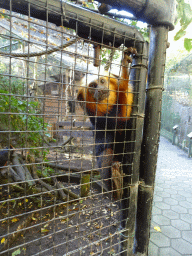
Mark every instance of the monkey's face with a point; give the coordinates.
(99, 89)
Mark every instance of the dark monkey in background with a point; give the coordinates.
(108, 102)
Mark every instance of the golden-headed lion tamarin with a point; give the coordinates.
(108, 101)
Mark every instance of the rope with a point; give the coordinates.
(107, 66)
(33, 54)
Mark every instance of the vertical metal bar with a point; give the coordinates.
(149, 149)
(138, 76)
(9, 127)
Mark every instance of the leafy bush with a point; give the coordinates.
(21, 115)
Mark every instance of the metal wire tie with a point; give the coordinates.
(160, 87)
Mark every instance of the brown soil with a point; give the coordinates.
(88, 226)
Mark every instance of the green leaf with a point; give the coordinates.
(44, 230)
(184, 12)
(188, 44)
(17, 252)
(180, 8)
(187, 15)
(3, 91)
(179, 34)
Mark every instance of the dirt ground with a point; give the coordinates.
(87, 226)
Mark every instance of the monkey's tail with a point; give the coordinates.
(117, 180)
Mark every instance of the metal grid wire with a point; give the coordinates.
(54, 199)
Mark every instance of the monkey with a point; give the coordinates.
(108, 101)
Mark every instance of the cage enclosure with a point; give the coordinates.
(78, 129)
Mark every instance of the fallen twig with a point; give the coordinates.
(58, 185)
(47, 186)
(71, 194)
(23, 173)
(61, 167)
(67, 141)
(8, 172)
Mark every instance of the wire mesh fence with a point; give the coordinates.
(70, 134)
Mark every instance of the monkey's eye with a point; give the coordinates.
(93, 85)
(102, 81)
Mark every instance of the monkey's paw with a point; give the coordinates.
(129, 51)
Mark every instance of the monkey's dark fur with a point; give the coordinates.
(108, 101)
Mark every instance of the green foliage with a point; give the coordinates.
(17, 252)
(184, 12)
(168, 118)
(188, 44)
(47, 171)
(144, 31)
(89, 4)
(21, 115)
(105, 54)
